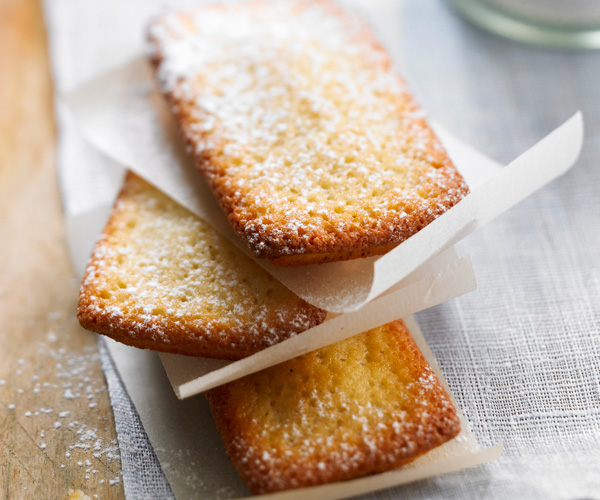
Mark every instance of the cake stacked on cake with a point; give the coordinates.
(316, 152)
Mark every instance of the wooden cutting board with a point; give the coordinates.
(57, 431)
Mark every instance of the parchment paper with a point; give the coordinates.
(125, 117)
(446, 278)
(194, 460)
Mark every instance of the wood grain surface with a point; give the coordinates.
(57, 430)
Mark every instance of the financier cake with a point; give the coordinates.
(361, 406)
(312, 144)
(162, 279)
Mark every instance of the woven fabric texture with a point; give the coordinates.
(142, 474)
(522, 353)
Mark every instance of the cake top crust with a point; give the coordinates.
(310, 140)
(161, 278)
(360, 406)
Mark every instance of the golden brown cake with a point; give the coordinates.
(312, 144)
(160, 278)
(361, 406)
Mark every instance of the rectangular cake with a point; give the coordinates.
(161, 278)
(361, 406)
(312, 144)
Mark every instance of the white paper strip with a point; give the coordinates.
(192, 376)
(191, 453)
(185, 369)
(124, 117)
(379, 482)
(548, 159)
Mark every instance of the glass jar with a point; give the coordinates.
(558, 23)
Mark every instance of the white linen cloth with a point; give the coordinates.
(522, 354)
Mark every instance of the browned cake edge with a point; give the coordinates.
(342, 244)
(308, 259)
(248, 460)
(223, 342)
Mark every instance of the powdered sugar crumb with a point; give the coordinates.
(68, 394)
(75, 374)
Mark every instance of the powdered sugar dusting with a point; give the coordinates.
(48, 409)
(161, 275)
(318, 135)
(363, 405)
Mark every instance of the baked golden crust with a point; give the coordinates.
(361, 406)
(160, 278)
(313, 146)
